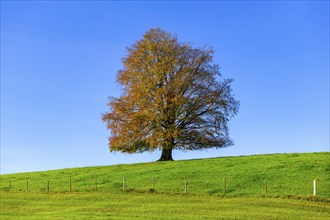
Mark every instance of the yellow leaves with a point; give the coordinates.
(152, 145)
(169, 88)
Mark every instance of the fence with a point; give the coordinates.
(181, 186)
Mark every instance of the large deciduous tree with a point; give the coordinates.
(174, 97)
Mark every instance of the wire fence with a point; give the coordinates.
(224, 186)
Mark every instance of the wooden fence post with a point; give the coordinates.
(70, 184)
(153, 183)
(224, 186)
(27, 185)
(124, 183)
(9, 184)
(47, 185)
(96, 183)
(185, 186)
(265, 186)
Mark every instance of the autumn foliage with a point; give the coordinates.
(174, 97)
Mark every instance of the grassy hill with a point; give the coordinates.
(100, 205)
(286, 174)
(97, 192)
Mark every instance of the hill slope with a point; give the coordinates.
(101, 205)
(286, 174)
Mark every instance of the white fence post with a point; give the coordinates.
(314, 188)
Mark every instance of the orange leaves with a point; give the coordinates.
(171, 98)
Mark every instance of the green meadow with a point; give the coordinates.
(98, 205)
(97, 192)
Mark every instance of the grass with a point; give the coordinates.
(98, 205)
(288, 176)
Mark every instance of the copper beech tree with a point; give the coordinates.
(173, 97)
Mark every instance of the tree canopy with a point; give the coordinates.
(173, 97)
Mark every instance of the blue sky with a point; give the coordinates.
(59, 60)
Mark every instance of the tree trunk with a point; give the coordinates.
(166, 155)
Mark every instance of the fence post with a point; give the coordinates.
(9, 184)
(96, 183)
(153, 183)
(70, 184)
(124, 183)
(224, 186)
(265, 186)
(27, 185)
(47, 185)
(185, 186)
(314, 188)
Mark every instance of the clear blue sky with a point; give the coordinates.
(59, 60)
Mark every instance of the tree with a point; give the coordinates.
(174, 97)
